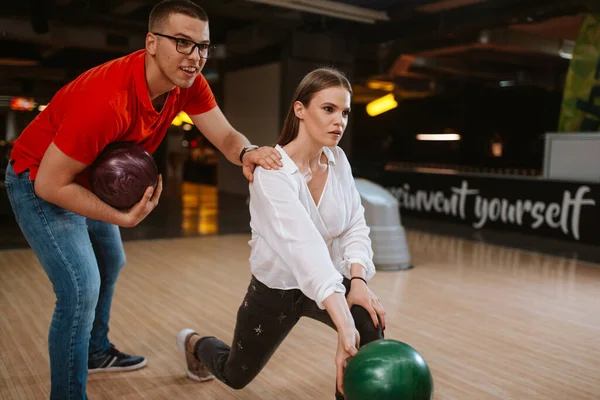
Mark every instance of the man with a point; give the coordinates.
(74, 234)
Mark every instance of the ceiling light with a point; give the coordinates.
(446, 5)
(331, 9)
(381, 105)
(439, 137)
(566, 49)
(564, 54)
(381, 85)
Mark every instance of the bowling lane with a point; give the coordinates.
(491, 322)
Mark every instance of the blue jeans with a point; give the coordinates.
(82, 258)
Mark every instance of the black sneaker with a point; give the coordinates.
(115, 361)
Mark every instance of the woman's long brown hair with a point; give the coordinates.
(311, 84)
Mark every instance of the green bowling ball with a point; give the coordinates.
(387, 370)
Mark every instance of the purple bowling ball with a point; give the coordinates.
(122, 173)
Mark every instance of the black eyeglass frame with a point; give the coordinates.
(209, 48)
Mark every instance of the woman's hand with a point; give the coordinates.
(361, 295)
(348, 342)
(348, 337)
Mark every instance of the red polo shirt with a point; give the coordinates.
(108, 103)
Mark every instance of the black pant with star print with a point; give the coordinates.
(264, 319)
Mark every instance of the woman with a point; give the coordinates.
(311, 253)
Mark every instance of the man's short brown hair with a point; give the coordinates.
(161, 12)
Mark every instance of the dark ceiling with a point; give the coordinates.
(45, 43)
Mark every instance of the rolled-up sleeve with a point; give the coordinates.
(355, 242)
(280, 218)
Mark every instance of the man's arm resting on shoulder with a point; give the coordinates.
(55, 183)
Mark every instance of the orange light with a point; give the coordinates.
(22, 104)
(381, 105)
(181, 118)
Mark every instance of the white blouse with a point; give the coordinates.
(297, 244)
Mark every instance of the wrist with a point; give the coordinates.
(124, 219)
(347, 326)
(358, 280)
(245, 150)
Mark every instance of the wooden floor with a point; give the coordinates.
(492, 322)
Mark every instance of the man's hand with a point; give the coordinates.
(266, 157)
(139, 211)
(55, 183)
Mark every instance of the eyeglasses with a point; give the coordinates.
(187, 47)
